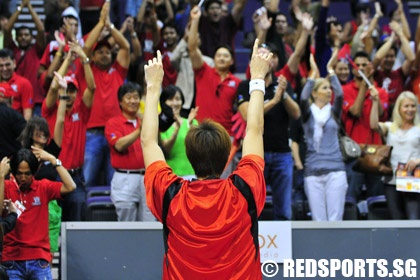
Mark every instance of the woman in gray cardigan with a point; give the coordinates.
(325, 175)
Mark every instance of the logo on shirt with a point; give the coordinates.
(14, 87)
(232, 84)
(37, 201)
(112, 69)
(75, 117)
(113, 135)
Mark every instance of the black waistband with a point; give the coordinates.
(126, 171)
(97, 130)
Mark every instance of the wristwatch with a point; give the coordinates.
(58, 163)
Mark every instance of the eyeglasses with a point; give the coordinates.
(28, 173)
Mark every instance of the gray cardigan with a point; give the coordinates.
(328, 158)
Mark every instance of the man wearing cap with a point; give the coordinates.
(23, 91)
(123, 135)
(109, 76)
(12, 123)
(26, 53)
(74, 136)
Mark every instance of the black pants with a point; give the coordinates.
(402, 205)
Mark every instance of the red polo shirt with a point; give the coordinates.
(30, 239)
(74, 136)
(105, 101)
(24, 93)
(215, 97)
(209, 225)
(393, 82)
(132, 158)
(28, 68)
(359, 129)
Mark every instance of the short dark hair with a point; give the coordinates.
(361, 54)
(169, 93)
(128, 87)
(209, 2)
(24, 155)
(34, 123)
(7, 53)
(208, 146)
(168, 25)
(22, 27)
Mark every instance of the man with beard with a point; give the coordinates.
(27, 55)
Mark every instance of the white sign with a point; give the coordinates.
(275, 240)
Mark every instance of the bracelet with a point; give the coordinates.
(58, 53)
(134, 35)
(285, 96)
(64, 97)
(85, 61)
(19, 8)
(111, 26)
(257, 84)
(331, 72)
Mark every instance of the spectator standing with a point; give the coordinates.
(216, 87)
(393, 80)
(203, 221)
(27, 55)
(109, 75)
(123, 135)
(74, 135)
(23, 91)
(325, 172)
(356, 113)
(279, 108)
(26, 251)
(403, 134)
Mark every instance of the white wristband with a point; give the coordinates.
(257, 84)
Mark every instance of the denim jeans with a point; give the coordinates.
(74, 203)
(31, 269)
(97, 157)
(298, 193)
(373, 183)
(278, 173)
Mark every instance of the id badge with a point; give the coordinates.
(20, 208)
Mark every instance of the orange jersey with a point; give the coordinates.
(208, 221)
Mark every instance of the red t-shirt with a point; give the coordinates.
(28, 68)
(170, 72)
(209, 223)
(74, 136)
(215, 97)
(24, 93)
(29, 240)
(105, 101)
(359, 129)
(132, 158)
(393, 82)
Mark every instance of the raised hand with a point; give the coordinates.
(195, 13)
(60, 80)
(154, 71)
(4, 167)
(260, 62)
(192, 115)
(374, 95)
(59, 38)
(42, 155)
(307, 22)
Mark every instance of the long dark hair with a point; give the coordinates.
(35, 123)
